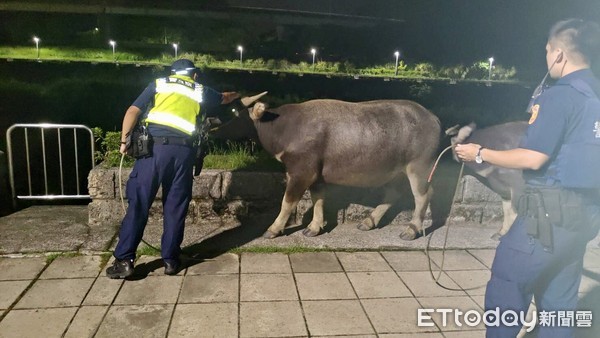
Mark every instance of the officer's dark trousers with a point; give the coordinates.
(523, 269)
(170, 166)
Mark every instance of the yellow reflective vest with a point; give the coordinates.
(176, 103)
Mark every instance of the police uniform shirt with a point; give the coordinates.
(558, 109)
(210, 98)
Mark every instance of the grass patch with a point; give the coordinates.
(104, 258)
(145, 250)
(241, 159)
(51, 257)
(478, 71)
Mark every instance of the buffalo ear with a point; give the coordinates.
(257, 111)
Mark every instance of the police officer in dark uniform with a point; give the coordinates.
(542, 254)
(175, 103)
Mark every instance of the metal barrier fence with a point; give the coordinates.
(57, 161)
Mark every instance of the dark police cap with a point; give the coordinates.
(182, 66)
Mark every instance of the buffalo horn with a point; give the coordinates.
(248, 100)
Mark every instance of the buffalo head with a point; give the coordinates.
(236, 123)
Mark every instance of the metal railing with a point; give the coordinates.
(59, 160)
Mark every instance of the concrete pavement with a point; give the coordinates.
(366, 294)
(364, 284)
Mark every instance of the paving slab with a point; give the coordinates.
(11, 290)
(334, 285)
(465, 334)
(73, 267)
(136, 321)
(210, 289)
(103, 292)
(315, 262)
(363, 261)
(336, 317)
(411, 335)
(21, 268)
(407, 260)
(35, 323)
(205, 320)
(421, 284)
(378, 285)
(265, 263)
(395, 315)
(485, 256)
(86, 321)
(227, 263)
(150, 290)
(456, 260)
(267, 287)
(473, 282)
(272, 319)
(55, 293)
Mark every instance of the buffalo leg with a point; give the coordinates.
(391, 196)
(509, 218)
(317, 195)
(296, 186)
(417, 176)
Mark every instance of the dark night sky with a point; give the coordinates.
(458, 31)
(445, 32)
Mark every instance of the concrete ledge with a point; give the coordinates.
(226, 195)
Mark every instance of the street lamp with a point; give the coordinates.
(37, 46)
(397, 54)
(113, 43)
(175, 47)
(241, 50)
(313, 52)
(491, 60)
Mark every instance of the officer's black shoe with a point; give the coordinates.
(120, 269)
(172, 267)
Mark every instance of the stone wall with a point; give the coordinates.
(226, 195)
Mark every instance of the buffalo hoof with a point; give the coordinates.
(496, 236)
(409, 233)
(366, 225)
(309, 232)
(270, 235)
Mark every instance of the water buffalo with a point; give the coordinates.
(364, 144)
(508, 183)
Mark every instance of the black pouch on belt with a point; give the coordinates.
(139, 142)
(537, 220)
(544, 226)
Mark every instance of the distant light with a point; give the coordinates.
(241, 50)
(491, 59)
(112, 43)
(313, 51)
(96, 29)
(37, 46)
(397, 53)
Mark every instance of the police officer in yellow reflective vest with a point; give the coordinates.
(176, 101)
